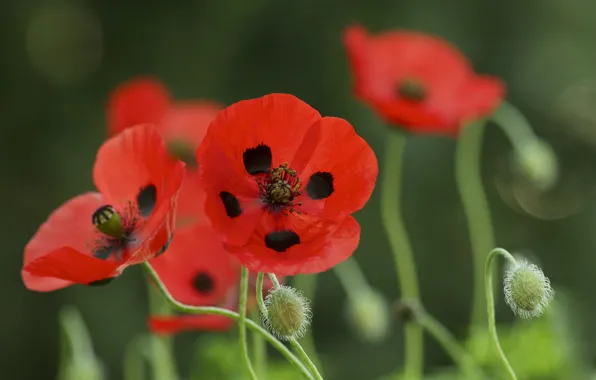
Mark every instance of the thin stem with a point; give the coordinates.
(515, 125)
(274, 280)
(242, 323)
(391, 214)
(492, 326)
(304, 356)
(212, 310)
(297, 347)
(476, 208)
(307, 284)
(259, 291)
(162, 361)
(450, 344)
(134, 365)
(259, 348)
(351, 277)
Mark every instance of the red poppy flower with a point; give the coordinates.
(183, 125)
(198, 271)
(95, 236)
(281, 182)
(419, 82)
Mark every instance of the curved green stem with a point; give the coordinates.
(307, 284)
(492, 326)
(402, 253)
(515, 125)
(242, 323)
(259, 291)
(468, 163)
(212, 310)
(450, 344)
(259, 347)
(304, 356)
(297, 347)
(351, 277)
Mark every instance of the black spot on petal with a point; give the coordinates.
(146, 200)
(280, 241)
(203, 283)
(231, 204)
(320, 185)
(258, 159)
(103, 282)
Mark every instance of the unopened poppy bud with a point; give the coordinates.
(368, 314)
(538, 162)
(108, 221)
(527, 289)
(288, 313)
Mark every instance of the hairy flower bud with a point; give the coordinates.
(527, 289)
(368, 314)
(537, 162)
(288, 313)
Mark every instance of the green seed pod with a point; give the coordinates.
(108, 221)
(288, 313)
(527, 289)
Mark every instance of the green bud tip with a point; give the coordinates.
(368, 314)
(288, 313)
(527, 289)
(108, 221)
(538, 162)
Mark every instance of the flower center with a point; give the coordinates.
(108, 222)
(279, 187)
(411, 89)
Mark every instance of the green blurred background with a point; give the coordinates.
(61, 59)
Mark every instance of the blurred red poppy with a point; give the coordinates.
(183, 125)
(198, 271)
(419, 82)
(281, 183)
(94, 236)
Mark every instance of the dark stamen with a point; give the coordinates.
(279, 188)
(411, 89)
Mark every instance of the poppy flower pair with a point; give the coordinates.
(418, 82)
(277, 181)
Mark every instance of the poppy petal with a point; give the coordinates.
(316, 250)
(175, 324)
(184, 127)
(197, 270)
(335, 184)
(137, 101)
(70, 225)
(70, 265)
(127, 166)
(414, 80)
(482, 95)
(245, 139)
(188, 121)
